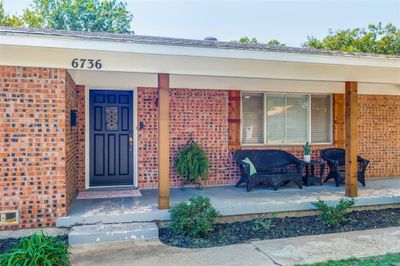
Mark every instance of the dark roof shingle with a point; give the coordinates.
(143, 39)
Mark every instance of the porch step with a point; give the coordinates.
(103, 233)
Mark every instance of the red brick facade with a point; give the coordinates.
(42, 158)
(379, 134)
(80, 183)
(202, 114)
(35, 144)
(71, 141)
(147, 137)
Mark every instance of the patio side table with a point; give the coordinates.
(310, 178)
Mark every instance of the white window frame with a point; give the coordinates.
(309, 95)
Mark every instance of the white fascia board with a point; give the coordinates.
(119, 46)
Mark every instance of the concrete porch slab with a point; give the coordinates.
(229, 200)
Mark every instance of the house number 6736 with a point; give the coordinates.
(86, 63)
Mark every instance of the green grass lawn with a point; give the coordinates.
(386, 260)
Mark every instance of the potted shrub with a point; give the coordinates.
(307, 156)
(192, 164)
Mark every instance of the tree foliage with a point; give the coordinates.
(248, 40)
(9, 20)
(376, 39)
(272, 42)
(77, 15)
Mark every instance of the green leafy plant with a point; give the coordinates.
(38, 249)
(263, 222)
(307, 149)
(195, 217)
(192, 163)
(334, 215)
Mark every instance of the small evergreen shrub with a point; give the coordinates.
(37, 250)
(334, 215)
(192, 163)
(263, 223)
(195, 217)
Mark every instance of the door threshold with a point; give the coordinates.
(112, 188)
(108, 193)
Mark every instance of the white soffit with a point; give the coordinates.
(276, 85)
(113, 80)
(126, 80)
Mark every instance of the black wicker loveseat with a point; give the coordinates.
(335, 158)
(274, 168)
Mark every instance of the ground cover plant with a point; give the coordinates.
(35, 250)
(240, 232)
(263, 222)
(386, 260)
(193, 218)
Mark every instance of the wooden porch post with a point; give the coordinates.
(163, 137)
(351, 118)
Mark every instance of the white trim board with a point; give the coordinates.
(87, 135)
(197, 66)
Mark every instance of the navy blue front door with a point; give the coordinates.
(111, 138)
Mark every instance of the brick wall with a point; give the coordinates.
(379, 134)
(32, 144)
(202, 114)
(71, 141)
(80, 92)
(147, 137)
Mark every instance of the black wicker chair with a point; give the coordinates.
(274, 168)
(336, 162)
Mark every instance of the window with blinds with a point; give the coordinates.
(321, 130)
(253, 117)
(286, 118)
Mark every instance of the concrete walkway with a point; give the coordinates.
(289, 251)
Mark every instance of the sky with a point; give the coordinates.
(287, 21)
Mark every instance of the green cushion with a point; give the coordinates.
(252, 168)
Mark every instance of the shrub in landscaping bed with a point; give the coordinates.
(193, 218)
(38, 249)
(239, 232)
(334, 215)
(263, 222)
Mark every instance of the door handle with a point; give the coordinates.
(130, 143)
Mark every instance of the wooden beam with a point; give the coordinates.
(338, 121)
(163, 137)
(234, 120)
(351, 117)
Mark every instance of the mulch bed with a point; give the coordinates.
(240, 232)
(9, 243)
